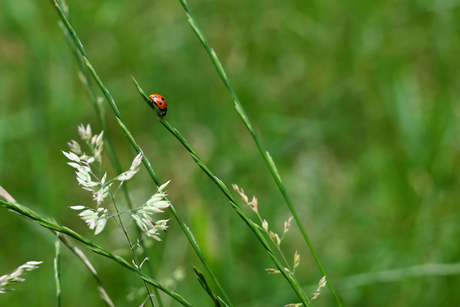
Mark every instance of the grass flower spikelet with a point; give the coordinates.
(85, 134)
(321, 285)
(13, 278)
(143, 216)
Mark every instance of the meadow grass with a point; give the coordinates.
(356, 102)
(266, 156)
(26, 212)
(80, 48)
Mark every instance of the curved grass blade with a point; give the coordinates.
(206, 287)
(263, 152)
(105, 297)
(146, 162)
(254, 227)
(26, 212)
(110, 149)
(103, 292)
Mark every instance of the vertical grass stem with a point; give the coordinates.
(292, 281)
(57, 271)
(263, 152)
(146, 162)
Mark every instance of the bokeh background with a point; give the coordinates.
(357, 102)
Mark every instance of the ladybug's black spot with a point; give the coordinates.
(162, 99)
(161, 103)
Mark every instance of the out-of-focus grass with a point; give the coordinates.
(356, 101)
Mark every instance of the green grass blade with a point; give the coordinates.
(57, 271)
(263, 152)
(7, 197)
(104, 295)
(110, 149)
(184, 227)
(205, 285)
(296, 287)
(146, 162)
(26, 212)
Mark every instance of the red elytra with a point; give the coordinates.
(160, 101)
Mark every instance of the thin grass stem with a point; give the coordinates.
(75, 250)
(202, 280)
(268, 160)
(136, 260)
(101, 116)
(146, 162)
(224, 189)
(184, 227)
(104, 295)
(57, 271)
(26, 212)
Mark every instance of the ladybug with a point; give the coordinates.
(161, 103)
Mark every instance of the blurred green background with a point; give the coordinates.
(357, 102)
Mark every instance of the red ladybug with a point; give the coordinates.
(161, 103)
